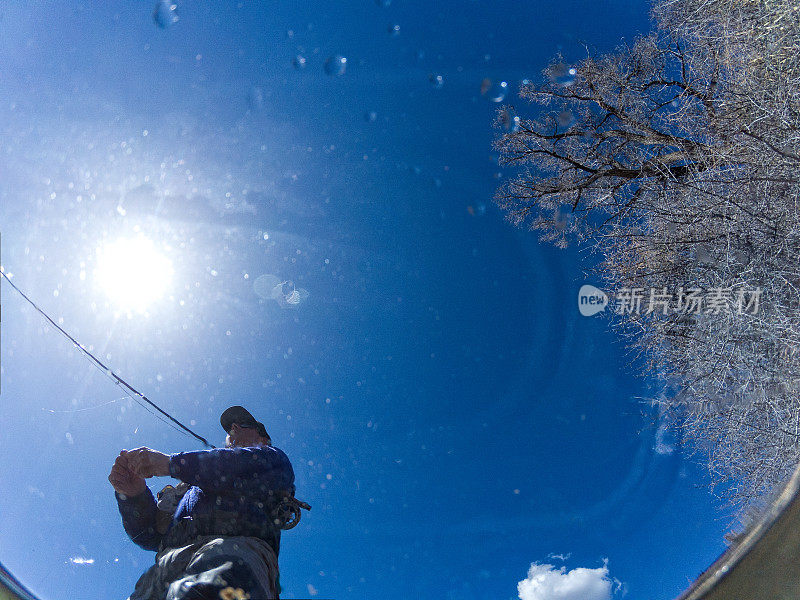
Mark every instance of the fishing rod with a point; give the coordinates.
(116, 378)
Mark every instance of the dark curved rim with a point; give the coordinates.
(770, 543)
(11, 589)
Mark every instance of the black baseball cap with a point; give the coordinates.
(241, 416)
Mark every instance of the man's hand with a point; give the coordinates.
(148, 463)
(123, 479)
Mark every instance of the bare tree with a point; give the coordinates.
(677, 160)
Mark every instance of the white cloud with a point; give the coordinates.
(561, 557)
(663, 443)
(546, 582)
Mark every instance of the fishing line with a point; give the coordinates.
(74, 410)
(132, 397)
(96, 361)
(129, 396)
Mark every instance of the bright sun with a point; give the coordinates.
(132, 272)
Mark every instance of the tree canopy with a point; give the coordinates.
(677, 160)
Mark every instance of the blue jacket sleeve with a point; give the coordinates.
(258, 469)
(139, 518)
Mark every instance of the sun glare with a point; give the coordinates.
(133, 273)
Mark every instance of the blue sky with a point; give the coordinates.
(451, 417)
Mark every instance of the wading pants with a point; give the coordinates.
(212, 567)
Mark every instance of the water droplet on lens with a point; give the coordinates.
(288, 296)
(284, 288)
(437, 81)
(284, 293)
(562, 74)
(565, 118)
(496, 92)
(336, 65)
(164, 13)
(299, 62)
(509, 119)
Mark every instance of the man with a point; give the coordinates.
(224, 536)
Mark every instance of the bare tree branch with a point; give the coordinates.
(678, 166)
